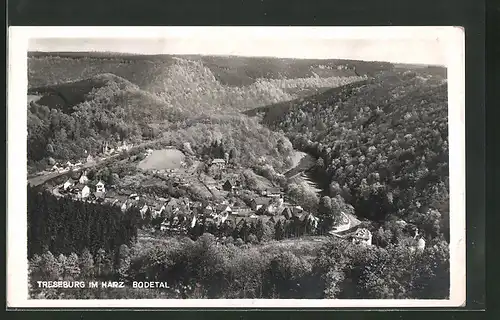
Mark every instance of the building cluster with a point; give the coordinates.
(81, 189)
(106, 151)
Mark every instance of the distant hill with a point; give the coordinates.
(47, 68)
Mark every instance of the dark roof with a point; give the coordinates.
(287, 212)
(273, 190)
(99, 194)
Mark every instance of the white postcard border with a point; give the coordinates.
(450, 39)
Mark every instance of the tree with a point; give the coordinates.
(304, 195)
(103, 264)
(286, 276)
(263, 231)
(123, 260)
(49, 267)
(334, 189)
(326, 214)
(72, 268)
(233, 156)
(279, 230)
(252, 238)
(87, 264)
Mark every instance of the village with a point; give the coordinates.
(169, 216)
(107, 152)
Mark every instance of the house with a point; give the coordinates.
(297, 210)
(69, 164)
(69, 183)
(312, 220)
(83, 178)
(258, 203)
(221, 217)
(134, 196)
(90, 158)
(420, 244)
(219, 162)
(99, 195)
(273, 192)
(222, 208)
(158, 210)
(165, 225)
(362, 236)
(100, 186)
(193, 222)
(85, 192)
(287, 213)
(228, 186)
(144, 210)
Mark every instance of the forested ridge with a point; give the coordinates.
(382, 144)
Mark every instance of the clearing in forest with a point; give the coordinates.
(163, 160)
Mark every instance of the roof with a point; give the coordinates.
(218, 160)
(79, 186)
(262, 200)
(273, 190)
(99, 194)
(100, 182)
(222, 207)
(228, 182)
(287, 212)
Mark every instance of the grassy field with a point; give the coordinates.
(162, 160)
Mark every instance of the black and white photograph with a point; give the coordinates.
(236, 167)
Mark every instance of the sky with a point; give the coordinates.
(418, 45)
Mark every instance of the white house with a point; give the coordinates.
(83, 178)
(144, 210)
(68, 183)
(421, 244)
(313, 220)
(90, 158)
(100, 186)
(85, 192)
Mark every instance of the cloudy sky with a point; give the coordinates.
(394, 44)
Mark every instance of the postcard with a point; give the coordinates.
(236, 167)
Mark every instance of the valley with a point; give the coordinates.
(245, 166)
